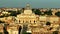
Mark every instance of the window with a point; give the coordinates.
(48, 23)
(51, 28)
(34, 21)
(30, 21)
(23, 21)
(19, 20)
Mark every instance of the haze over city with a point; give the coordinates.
(29, 17)
(33, 3)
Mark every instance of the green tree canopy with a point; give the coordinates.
(55, 32)
(36, 11)
(57, 14)
(13, 13)
(48, 12)
(19, 12)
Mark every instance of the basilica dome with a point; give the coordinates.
(28, 9)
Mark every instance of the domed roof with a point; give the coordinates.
(28, 9)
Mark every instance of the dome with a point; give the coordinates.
(28, 9)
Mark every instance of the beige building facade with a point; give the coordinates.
(13, 28)
(29, 18)
(36, 24)
(1, 29)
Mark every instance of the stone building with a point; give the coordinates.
(30, 22)
(13, 29)
(1, 29)
(27, 16)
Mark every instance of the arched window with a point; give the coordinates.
(23, 21)
(30, 21)
(19, 20)
(34, 21)
(48, 23)
(50, 28)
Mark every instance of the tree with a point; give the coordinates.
(5, 31)
(0, 32)
(18, 12)
(33, 10)
(48, 12)
(55, 32)
(36, 11)
(13, 13)
(9, 11)
(25, 26)
(57, 14)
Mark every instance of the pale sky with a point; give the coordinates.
(33, 3)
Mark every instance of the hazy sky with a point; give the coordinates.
(33, 3)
